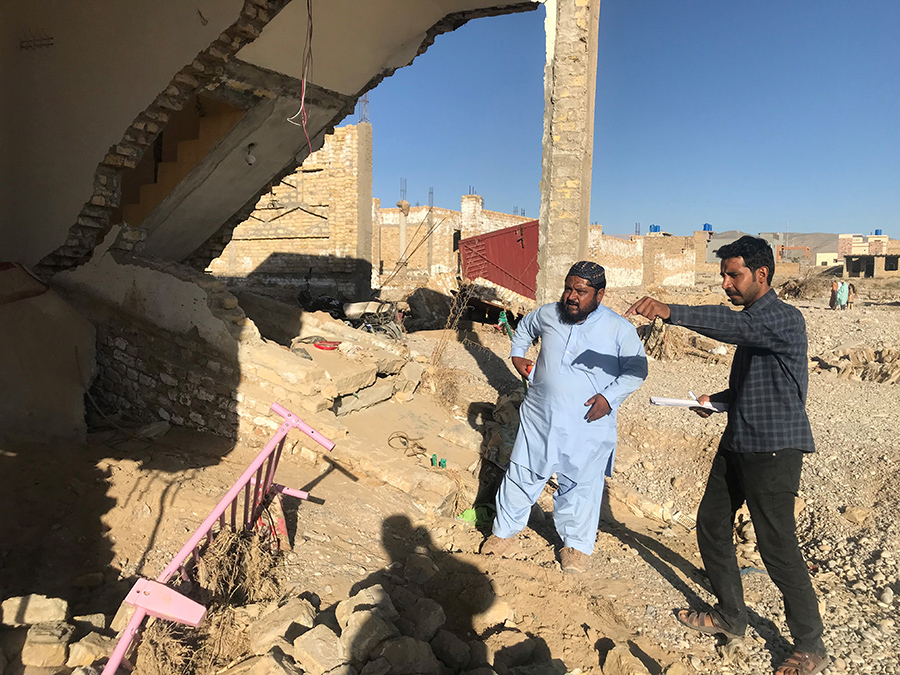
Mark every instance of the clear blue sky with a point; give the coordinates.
(758, 116)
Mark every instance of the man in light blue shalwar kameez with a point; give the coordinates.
(590, 360)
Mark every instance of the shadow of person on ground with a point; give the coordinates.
(665, 561)
(434, 597)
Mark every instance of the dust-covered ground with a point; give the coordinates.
(144, 499)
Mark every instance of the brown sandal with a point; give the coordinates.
(705, 622)
(803, 663)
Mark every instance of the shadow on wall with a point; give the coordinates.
(58, 500)
(285, 275)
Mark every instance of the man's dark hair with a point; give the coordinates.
(755, 251)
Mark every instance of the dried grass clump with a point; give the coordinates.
(235, 568)
(445, 383)
(163, 649)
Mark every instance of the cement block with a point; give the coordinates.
(30, 609)
(351, 377)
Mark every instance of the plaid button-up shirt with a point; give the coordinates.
(769, 375)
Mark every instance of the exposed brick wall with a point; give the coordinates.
(306, 233)
(152, 374)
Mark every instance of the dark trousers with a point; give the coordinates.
(768, 482)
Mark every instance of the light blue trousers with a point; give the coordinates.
(576, 506)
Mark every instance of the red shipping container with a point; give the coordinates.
(506, 257)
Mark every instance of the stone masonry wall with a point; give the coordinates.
(306, 232)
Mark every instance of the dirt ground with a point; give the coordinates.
(81, 523)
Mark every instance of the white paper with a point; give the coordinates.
(687, 403)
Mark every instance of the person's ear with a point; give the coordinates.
(600, 294)
(762, 274)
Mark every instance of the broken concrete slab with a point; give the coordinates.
(463, 435)
(30, 609)
(364, 398)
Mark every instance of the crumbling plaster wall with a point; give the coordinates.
(64, 106)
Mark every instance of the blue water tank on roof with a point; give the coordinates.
(877, 233)
(707, 227)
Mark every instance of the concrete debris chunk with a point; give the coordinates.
(364, 398)
(89, 649)
(419, 568)
(365, 630)
(319, 650)
(370, 598)
(275, 662)
(409, 656)
(287, 622)
(509, 648)
(426, 616)
(47, 644)
(30, 609)
(380, 666)
(452, 652)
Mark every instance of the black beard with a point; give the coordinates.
(570, 319)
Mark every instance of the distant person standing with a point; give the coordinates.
(832, 303)
(843, 292)
(760, 455)
(851, 295)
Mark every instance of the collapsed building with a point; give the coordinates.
(135, 141)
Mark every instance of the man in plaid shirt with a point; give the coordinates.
(761, 452)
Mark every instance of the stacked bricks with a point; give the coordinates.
(94, 220)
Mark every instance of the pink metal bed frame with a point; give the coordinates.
(154, 597)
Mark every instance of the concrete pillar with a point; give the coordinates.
(570, 77)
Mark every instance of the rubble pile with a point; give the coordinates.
(862, 363)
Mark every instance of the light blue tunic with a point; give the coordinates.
(602, 355)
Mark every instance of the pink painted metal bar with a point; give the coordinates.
(242, 484)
